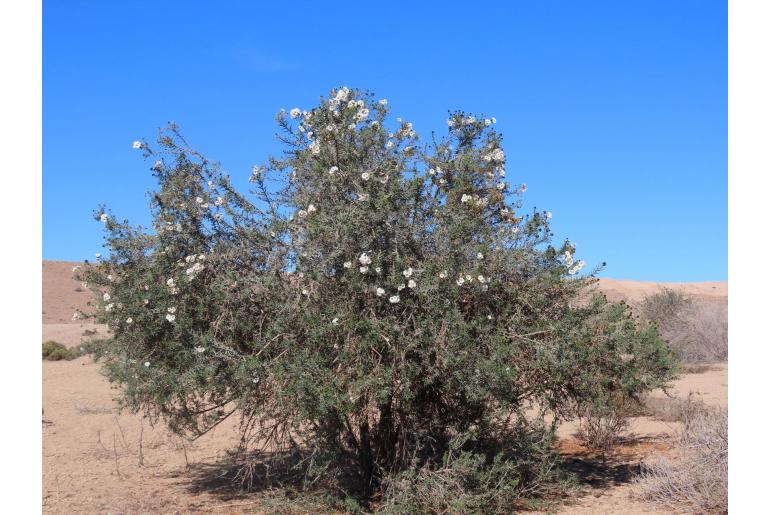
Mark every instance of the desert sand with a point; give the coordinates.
(96, 460)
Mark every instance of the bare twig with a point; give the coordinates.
(141, 435)
(115, 451)
(186, 461)
(122, 435)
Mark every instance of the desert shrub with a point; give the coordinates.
(695, 329)
(374, 302)
(674, 409)
(697, 475)
(55, 351)
(602, 428)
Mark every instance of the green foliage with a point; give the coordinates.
(376, 301)
(55, 351)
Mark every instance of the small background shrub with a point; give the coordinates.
(696, 329)
(54, 351)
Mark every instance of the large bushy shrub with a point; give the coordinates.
(379, 306)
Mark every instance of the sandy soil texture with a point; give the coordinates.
(98, 461)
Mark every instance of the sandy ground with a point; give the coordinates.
(98, 461)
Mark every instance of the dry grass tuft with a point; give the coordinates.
(697, 476)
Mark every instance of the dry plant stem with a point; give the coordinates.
(122, 435)
(115, 451)
(99, 440)
(141, 435)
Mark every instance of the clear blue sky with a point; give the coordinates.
(614, 113)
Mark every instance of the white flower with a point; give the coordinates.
(294, 113)
(305, 291)
(468, 278)
(384, 102)
(501, 186)
(331, 127)
(336, 321)
(389, 144)
(363, 197)
(170, 282)
(76, 316)
(315, 147)
(106, 297)
(496, 155)
(146, 363)
(466, 198)
(412, 284)
(137, 144)
(487, 122)
(401, 286)
(347, 264)
(98, 255)
(200, 350)
(479, 256)
(494, 120)
(380, 291)
(109, 307)
(575, 269)
(199, 200)
(311, 209)
(104, 218)
(219, 201)
(332, 170)
(470, 120)
(568, 258)
(365, 176)
(378, 270)
(362, 114)
(431, 172)
(110, 278)
(146, 301)
(442, 181)
(364, 259)
(172, 309)
(443, 274)
(548, 215)
(384, 179)
(170, 317)
(408, 272)
(302, 213)
(481, 279)
(460, 281)
(394, 299)
(363, 269)
(129, 320)
(76, 268)
(489, 317)
(450, 123)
